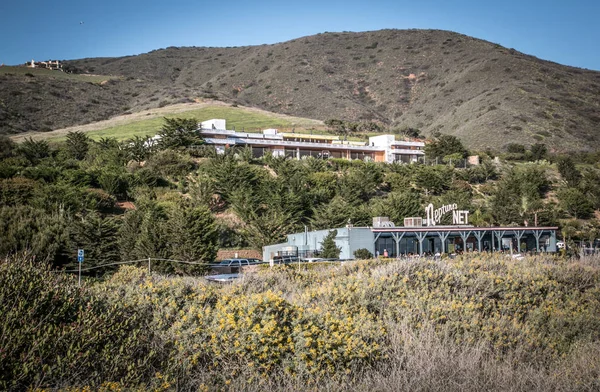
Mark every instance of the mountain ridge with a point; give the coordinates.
(433, 80)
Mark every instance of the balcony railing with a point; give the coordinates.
(285, 143)
(408, 152)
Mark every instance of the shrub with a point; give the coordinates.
(515, 148)
(17, 190)
(55, 334)
(482, 322)
(329, 249)
(363, 254)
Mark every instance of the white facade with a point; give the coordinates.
(213, 124)
(382, 148)
(398, 150)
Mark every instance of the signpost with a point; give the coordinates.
(80, 256)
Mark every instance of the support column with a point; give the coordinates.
(375, 243)
(398, 238)
(537, 234)
(376, 237)
(519, 235)
(479, 235)
(499, 235)
(443, 237)
(552, 244)
(421, 236)
(465, 236)
(298, 153)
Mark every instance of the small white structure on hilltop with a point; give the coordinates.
(215, 123)
(54, 65)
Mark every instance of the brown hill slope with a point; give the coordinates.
(427, 79)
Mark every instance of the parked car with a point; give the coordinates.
(234, 265)
(240, 262)
(285, 259)
(222, 278)
(311, 259)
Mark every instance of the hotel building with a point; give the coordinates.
(383, 148)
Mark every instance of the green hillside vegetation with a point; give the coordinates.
(482, 322)
(431, 80)
(476, 323)
(128, 200)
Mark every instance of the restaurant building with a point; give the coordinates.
(421, 236)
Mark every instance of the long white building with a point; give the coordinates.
(383, 148)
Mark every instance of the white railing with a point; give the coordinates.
(240, 134)
(405, 143)
(286, 143)
(408, 152)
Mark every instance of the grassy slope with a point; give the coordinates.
(240, 118)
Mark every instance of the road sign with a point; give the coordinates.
(80, 255)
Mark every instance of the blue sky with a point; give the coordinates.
(566, 32)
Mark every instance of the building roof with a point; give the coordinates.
(457, 228)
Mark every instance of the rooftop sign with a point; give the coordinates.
(434, 216)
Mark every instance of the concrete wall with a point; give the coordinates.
(271, 250)
(241, 253)
(218, 123)
(386, 142)
(381, 140)
(348, 239)
(361, 237)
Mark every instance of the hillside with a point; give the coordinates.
(149, 121)
(433, 80)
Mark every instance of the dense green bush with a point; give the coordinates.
(363, 254)
(54, 334)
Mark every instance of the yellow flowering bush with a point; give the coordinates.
(296, 324)
(253, 329)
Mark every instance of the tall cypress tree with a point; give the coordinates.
(97, 235)
(78, 144)
(328, 248)
(193, 234)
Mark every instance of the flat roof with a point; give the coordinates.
(457, 228)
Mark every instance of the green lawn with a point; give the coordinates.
(237, 118)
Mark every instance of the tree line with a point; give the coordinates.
(174, 197)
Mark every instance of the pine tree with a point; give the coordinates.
(178, 132)
(193, 236)
(97, 235)
(129, 233)
(78, 144)
(34, 150)
(328, 248)
(152, 240)
(569, 172)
